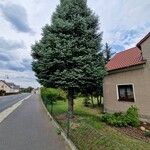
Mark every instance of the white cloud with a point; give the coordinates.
(16, 15)
(119, 17)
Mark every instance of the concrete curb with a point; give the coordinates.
(56, 125)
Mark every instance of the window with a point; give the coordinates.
(126, 93)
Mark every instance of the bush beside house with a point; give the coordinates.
(130, 118)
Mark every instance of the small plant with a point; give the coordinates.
(122, 119)
(58, 131)
(132, 117)
(147, 133)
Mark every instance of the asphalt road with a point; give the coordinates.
(7, 101)
(29, 128)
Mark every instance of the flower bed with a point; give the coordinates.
(135, 132)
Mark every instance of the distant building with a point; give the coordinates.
(14, 88)
(4, 88)
(128, 80)
(8, 88)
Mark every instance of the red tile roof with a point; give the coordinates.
(124, 59)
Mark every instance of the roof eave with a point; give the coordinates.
(141, 41)
(143, 62)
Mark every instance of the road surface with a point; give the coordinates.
(7, 101)
(29, 128)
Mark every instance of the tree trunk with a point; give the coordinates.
(70, 102)
(98, 101)
(92, 100)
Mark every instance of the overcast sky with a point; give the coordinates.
(123, 23)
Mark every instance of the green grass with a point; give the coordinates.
(59, 107)
(87, 121)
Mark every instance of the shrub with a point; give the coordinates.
(132, 117)
(116, 119)
(122, 119)
(51, 95)
(62, 95)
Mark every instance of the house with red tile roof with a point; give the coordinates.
(128, 80)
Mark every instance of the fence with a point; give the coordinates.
(85, 137)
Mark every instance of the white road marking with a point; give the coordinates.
(8, 111)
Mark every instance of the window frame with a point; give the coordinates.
(117, 89)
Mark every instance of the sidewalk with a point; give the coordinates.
(29, 128)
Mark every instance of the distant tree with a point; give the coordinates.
(107, 53)
(26, 90)
(29, 89)
(67, 55)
